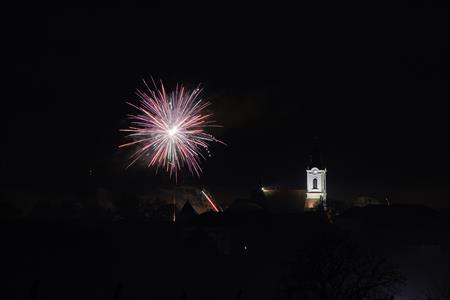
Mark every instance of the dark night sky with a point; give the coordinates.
(372, 86)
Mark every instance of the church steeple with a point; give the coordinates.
(315, 158)
(316, 188)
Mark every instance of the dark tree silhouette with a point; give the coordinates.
(118, 291)
(334, 266)
(34, 289)
(439, 290)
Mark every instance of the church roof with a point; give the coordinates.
(188, 210)
(315, 158)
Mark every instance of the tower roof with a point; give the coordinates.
(188, 210)
(315, 158)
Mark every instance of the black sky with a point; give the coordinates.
(372, 85)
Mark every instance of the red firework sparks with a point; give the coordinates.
(170, 128)
(214, 206)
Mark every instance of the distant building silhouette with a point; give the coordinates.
(362, 201)
(187, 213)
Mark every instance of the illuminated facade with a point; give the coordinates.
(316, 188)
(316, 182)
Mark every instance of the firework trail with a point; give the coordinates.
(170, 129)
(215, 207)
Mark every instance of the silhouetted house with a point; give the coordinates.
(285, 199)
(362, 201)
(337, 206)
(164, 203)
(406, 224)
(244, 206)
(187, 213)
(8, 211)
(166, 212)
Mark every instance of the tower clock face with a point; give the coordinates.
(315, 172)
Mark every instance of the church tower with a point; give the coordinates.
(316, 183)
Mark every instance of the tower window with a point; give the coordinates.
(315, 183)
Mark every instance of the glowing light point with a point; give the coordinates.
(172, 131)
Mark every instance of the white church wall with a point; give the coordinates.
(315, 195)
(320, 175)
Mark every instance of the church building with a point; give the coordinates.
(314, 197)
(316, 183)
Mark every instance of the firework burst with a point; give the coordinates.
(170, 129)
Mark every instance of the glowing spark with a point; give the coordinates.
(211, 202)
(170, 129)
